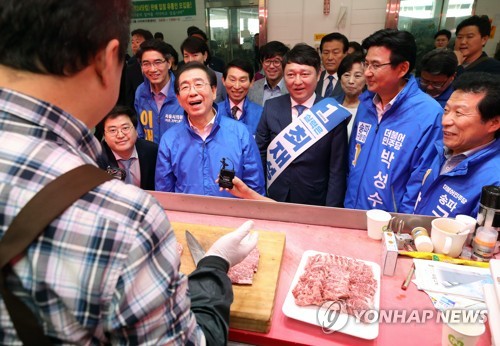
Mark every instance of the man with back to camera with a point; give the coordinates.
(333, 48)
(155, 102)
(318, 175)
(273, 85)
(472, 35)
(190, 154)
(117, 238)
(468, 156)
(437, 74)
(136, 156)
(394, 125)
(442, 38)
(195, 48)
(238, 78)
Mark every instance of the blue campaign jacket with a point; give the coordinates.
(250, 115)
(458, 191)
(385, 159)
(151, 124)
(187, 164)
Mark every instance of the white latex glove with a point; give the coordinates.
(235, 246)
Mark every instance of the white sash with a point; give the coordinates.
(301, 134)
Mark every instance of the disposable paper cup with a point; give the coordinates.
(376, 219)
(448, 236)
(471, 225)
(466, 334)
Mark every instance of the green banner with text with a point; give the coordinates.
(165, 8)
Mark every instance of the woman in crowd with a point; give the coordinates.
(352, 79)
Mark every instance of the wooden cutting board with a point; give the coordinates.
(253, 305)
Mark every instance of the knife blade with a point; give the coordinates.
(197, 251)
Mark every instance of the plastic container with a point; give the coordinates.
(422, 240)
(489, 208)
(483, 244)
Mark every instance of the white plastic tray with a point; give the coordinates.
(330, 322)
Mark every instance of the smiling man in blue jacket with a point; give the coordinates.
(468, 157)
(155, 103)
(238, 78)
(394, 126)
(190, 153)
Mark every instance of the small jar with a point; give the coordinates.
(422, 240)
(483, 245)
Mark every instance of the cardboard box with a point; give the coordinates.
(389, 253)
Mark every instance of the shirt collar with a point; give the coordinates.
(309, 102)
(240, 105)
(335, 76)
(52, 120)
(280, 84)
(210, 124)
(133, 156)
(448, 154)
(163, 91)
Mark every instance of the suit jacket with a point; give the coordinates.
(256, 92)
(317, 176)
(147, 152)
(133, 78)
(338, 92)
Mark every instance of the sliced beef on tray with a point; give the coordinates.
(336, 278)
(243, 272)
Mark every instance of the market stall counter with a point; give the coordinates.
(404, 316)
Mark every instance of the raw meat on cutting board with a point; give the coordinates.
(243, 272)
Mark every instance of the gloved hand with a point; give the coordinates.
(235, 246)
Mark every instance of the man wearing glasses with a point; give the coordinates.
(272, 85)
(395, 125)
(137, 157)
(155, 102)
(193, 152)
(438, 72)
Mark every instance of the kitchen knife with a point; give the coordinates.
(197, 251)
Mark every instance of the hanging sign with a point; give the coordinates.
(163, 8)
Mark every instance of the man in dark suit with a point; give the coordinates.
(132, 74)
(137, 157)
(318, 175)
(333, 48)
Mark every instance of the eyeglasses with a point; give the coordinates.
(198, 86)
(113, 132)
(147, 64)
(435, 85)
(375, 65)
(275, 62)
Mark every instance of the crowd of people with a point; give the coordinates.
(378, 157)
(349, 126)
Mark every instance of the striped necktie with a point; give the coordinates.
(329, 87)
(234, 110)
